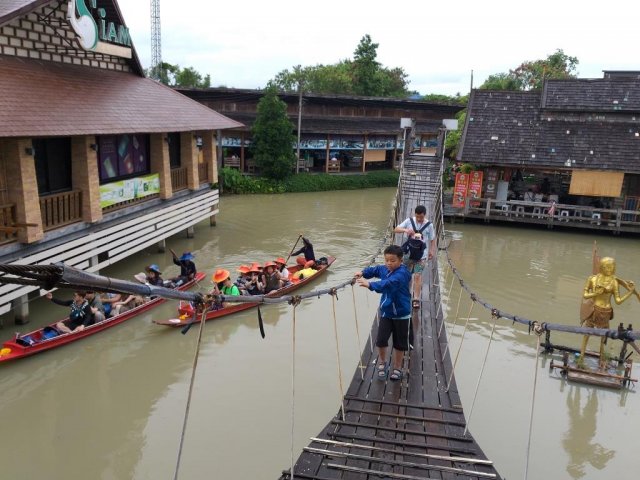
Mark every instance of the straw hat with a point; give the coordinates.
(281, 260)
(221, 275)
(244, 269)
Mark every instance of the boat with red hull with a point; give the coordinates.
(186, 309)
(38, 340)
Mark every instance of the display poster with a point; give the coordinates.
(491, 183)
(129, 189)
(475, 187)
(108, 158)
(132, 155)
(460, 189)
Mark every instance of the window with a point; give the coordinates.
(174, 149)
(122, 156)
(53, 164)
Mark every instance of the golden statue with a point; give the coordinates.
(597, 310)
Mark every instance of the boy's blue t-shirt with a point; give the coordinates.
(394, 287)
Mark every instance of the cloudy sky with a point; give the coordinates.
(438, 44)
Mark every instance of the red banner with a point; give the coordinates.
(475, 187)
(460, 189)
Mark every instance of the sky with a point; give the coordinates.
(438, 44)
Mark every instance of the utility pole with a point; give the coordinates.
(156, 48)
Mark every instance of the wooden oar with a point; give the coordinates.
(294, 247)
(625, 284)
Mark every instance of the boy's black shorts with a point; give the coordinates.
(400, 330)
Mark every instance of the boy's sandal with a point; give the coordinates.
(396, 375)
(383, 369)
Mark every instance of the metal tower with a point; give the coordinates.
(156, 48)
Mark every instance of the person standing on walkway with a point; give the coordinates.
(411, 227)
(395, 308)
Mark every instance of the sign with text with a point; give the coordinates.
(491, 183)
(475, 187)
(129, 189)
(460, 189)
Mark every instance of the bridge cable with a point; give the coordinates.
(293, 385)
(355, 316)
(334, 296)
(537, 328)
(455, 362)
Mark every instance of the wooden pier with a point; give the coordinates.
(413, 428)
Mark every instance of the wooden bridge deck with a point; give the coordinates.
(414, 428)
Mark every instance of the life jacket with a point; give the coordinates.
(413, 246)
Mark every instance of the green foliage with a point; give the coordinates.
(361, 76)
(273, 137)
(235, 182)
(174, 76)
(453, 138)
(451, 100)
(530, 75)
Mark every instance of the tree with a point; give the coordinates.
(362, 76)
(501, 81)
(273, 136)
(174, 76)
(438, 98)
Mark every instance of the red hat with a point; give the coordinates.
(281, 260)
(254, 269)
(269, 264)
(256, 265)
(244, 269)
(221, 275)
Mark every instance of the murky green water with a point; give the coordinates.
(112, 406)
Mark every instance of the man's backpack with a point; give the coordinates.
(413, 246)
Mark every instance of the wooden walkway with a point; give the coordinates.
(414, 428)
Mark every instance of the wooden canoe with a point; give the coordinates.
(185, 309)
(37, 341)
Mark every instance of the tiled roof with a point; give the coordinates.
(508, 128)
(39, 98)
(593, 95)
(10, 9)
(346, 125)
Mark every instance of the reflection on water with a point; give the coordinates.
(539, 275)
(578, 441)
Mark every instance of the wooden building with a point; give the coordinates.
(338, 132)
(96, 161)
(576, 142)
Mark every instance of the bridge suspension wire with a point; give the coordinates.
(484, 362)
(293, 386)
(335, 332)
(355, 316)
(464, 331)
(190, 394)
(538, 332)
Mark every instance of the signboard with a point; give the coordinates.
(491, 183)
(130, 189)
(460, 189)
(475, 187)
(101, 34)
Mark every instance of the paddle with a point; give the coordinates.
(186, 328)
(260, 324)
(294, 247)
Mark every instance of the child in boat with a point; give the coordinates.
(129, 303)
(153, 275)
(97, 309)
(223, 285)
(243, 278)
(271, 278)
(107, 300)
(395, 308)
(281, 265)
(80, 315)
(254, 284)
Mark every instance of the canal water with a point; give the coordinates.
(112, 406)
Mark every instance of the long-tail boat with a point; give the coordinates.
(49, 337)
(186, 309)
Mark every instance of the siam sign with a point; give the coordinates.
(103, 35)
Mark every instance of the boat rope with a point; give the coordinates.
(460, 344)
(334, 297)
(293, 384)
(484, 362)
(537, 328)
(355, 316)
(189, 395)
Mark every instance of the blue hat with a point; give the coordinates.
(154, 268)
(186, 256)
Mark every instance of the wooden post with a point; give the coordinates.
(162, 246)
(20, 306)
(190, 232)
(487, 211)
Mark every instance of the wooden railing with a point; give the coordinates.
(8, 232)
(61, 209)
(232, 162)
(203, 172)
(178, 178)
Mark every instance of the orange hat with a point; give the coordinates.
(281, 260)
(256, 265)
(269, 264)
(301, 261)
(221, 275)
(254, 269)
(243, 269)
